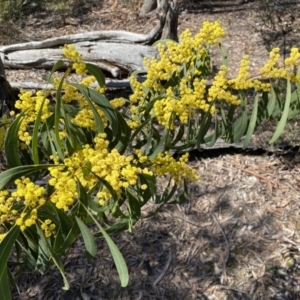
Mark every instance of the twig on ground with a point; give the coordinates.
(267, 180)
(227, 244)
(162, 274)
(188, 221)
(236, 290)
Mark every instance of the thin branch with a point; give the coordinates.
(226, 241)
(162, 274)
(236, 290)
(186, 220)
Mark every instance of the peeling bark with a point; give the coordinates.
(118, 52)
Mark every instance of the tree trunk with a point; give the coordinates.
(171, 22)
(168, 16)
(148, 6)
(7, 94)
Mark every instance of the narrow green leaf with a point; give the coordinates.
(58, 110)
(216, 133)
(69, 239)
(262, 111)
(88, 238)
(35, 135)
(55, 258)
(58, 65)
(98, 121)
(205, 124)
(5, 292)
(179, 136)
(31, 238)
(83, 197)
(134, 209)
(5, 250)
(124, 134)
(59, 240)
(151, 139)
(184, 196)
(11, 142)
(272, 102)
(166, 195)
(56, 145)
(252, 123)
(120, 226)
(105, 105)
(238, 129)
(10, 175)
(160, 147)
(43, 262)
(97, 73)
(116, 254)
(224, 55)
(150, 192)
(283, 119)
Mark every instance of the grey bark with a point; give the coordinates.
(7, 94)
(148, 6)
(167, 11)
(171, 22)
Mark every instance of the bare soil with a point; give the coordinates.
(238, 236)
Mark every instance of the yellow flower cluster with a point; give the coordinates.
(165, 164)
(26, 193)
(184, 105)
(70, 52)
(272, 70)
(293, 60)
(85, 117)
(243, 81)
(48, 227)
(31, 104)
(210, 33)
(218, 89)
(137, 87)
(87, 166)
(183, 62)
(118, 102)
(176, 80)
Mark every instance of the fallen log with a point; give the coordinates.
(118, 52)
(117, 58)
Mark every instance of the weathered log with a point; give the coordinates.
(116, 58)
(117, 36)
(117, 52)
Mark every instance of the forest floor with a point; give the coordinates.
(238, 236)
